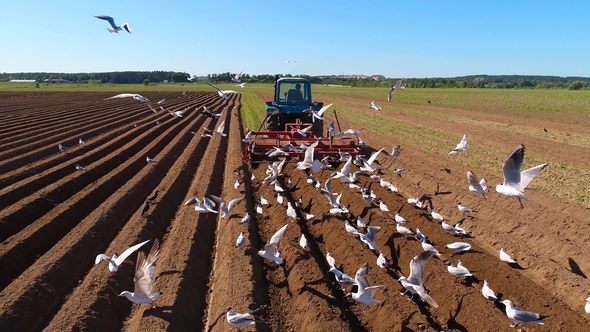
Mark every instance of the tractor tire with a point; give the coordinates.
(318, 129)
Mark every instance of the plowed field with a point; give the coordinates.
(54, 220)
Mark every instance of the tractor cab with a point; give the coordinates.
(292, 98)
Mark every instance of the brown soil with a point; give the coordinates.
(54, 221)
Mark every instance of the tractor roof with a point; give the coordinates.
(292, 79)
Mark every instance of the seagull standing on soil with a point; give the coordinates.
(79, 168)
(504, 257)
(115, 28)
(303, 242)
(149, 160)
(520, 316)
(145, 208)
(116, 260)
(463, 208)
(241, 240)
(487, 292)
(459, 246)
(271, 249)
(459, 270)
(516, 181)
(245, 219)
(80, 141)
(477, 186)
(239, 320)
(396, 87)
(382, 261)
(587, 306)
(63, 148)
(462, 146)
(144, 277)
(429, 247)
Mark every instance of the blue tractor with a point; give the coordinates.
(292, 101)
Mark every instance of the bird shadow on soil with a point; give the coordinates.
(575, 268)
(452, 322)
(431, 321)
(516, 266)
(405, 323)
(169, 272)
(215, 322)
(395, 252)
(164, 313)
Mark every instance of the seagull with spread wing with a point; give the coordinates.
(224, 207)
(414, 283)
(144, 277)
(516, 181)
(462, 146)
(223, 93)
(217, 132)
(364, 293)
(317, 114)
(115, 28)
(396, 87)
(271, 249)
(477, 186)
(135, 96)
(116, 260)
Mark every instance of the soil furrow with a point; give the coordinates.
(65, 258)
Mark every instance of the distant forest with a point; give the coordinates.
(472, 81)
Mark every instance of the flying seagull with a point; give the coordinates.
(364, 293)
(516, 181)
(115, 28)
(144, 277)
(414, 283)
(116, 260)
(223, 93)
(477, 186)
(217, 132)
(237, 78)
(397, 86)
(271, 249)
(137, 97)
(462, 146)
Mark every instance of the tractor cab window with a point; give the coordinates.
(294, 92)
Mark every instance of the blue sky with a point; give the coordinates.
(400, 39)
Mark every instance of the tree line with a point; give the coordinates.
(472, 81)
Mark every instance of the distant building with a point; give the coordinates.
(57, 80)
(165, 81)
(22, 81)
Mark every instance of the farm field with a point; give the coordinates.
(55, 220)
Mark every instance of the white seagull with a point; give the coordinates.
(462, 146)
(79, 168)
(217, 132)
(330, 259)
(223, 93)
(587, 306)
(237, 78)
(375, 106)
(369, 237)
(144, 277)
(477, 186)
(271, 249)
(224, 207)
(150, 160)
(520, 316)
(80, 141)
(245, 219)
(241, 240)
(463, 208)
(382, 261)
(516, 181)
(63, 148)
(303, 242)
(238, 320)
(135, 96)
(364, 293)
(504, 257)
(317, 114)
(429, 247)
(487, 292)
(116, 260)
(395, 152)
(415, 281)
(459, 246)
(459, 270)
(396, 87)
(115, 28)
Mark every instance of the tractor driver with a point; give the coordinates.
(295, 95)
